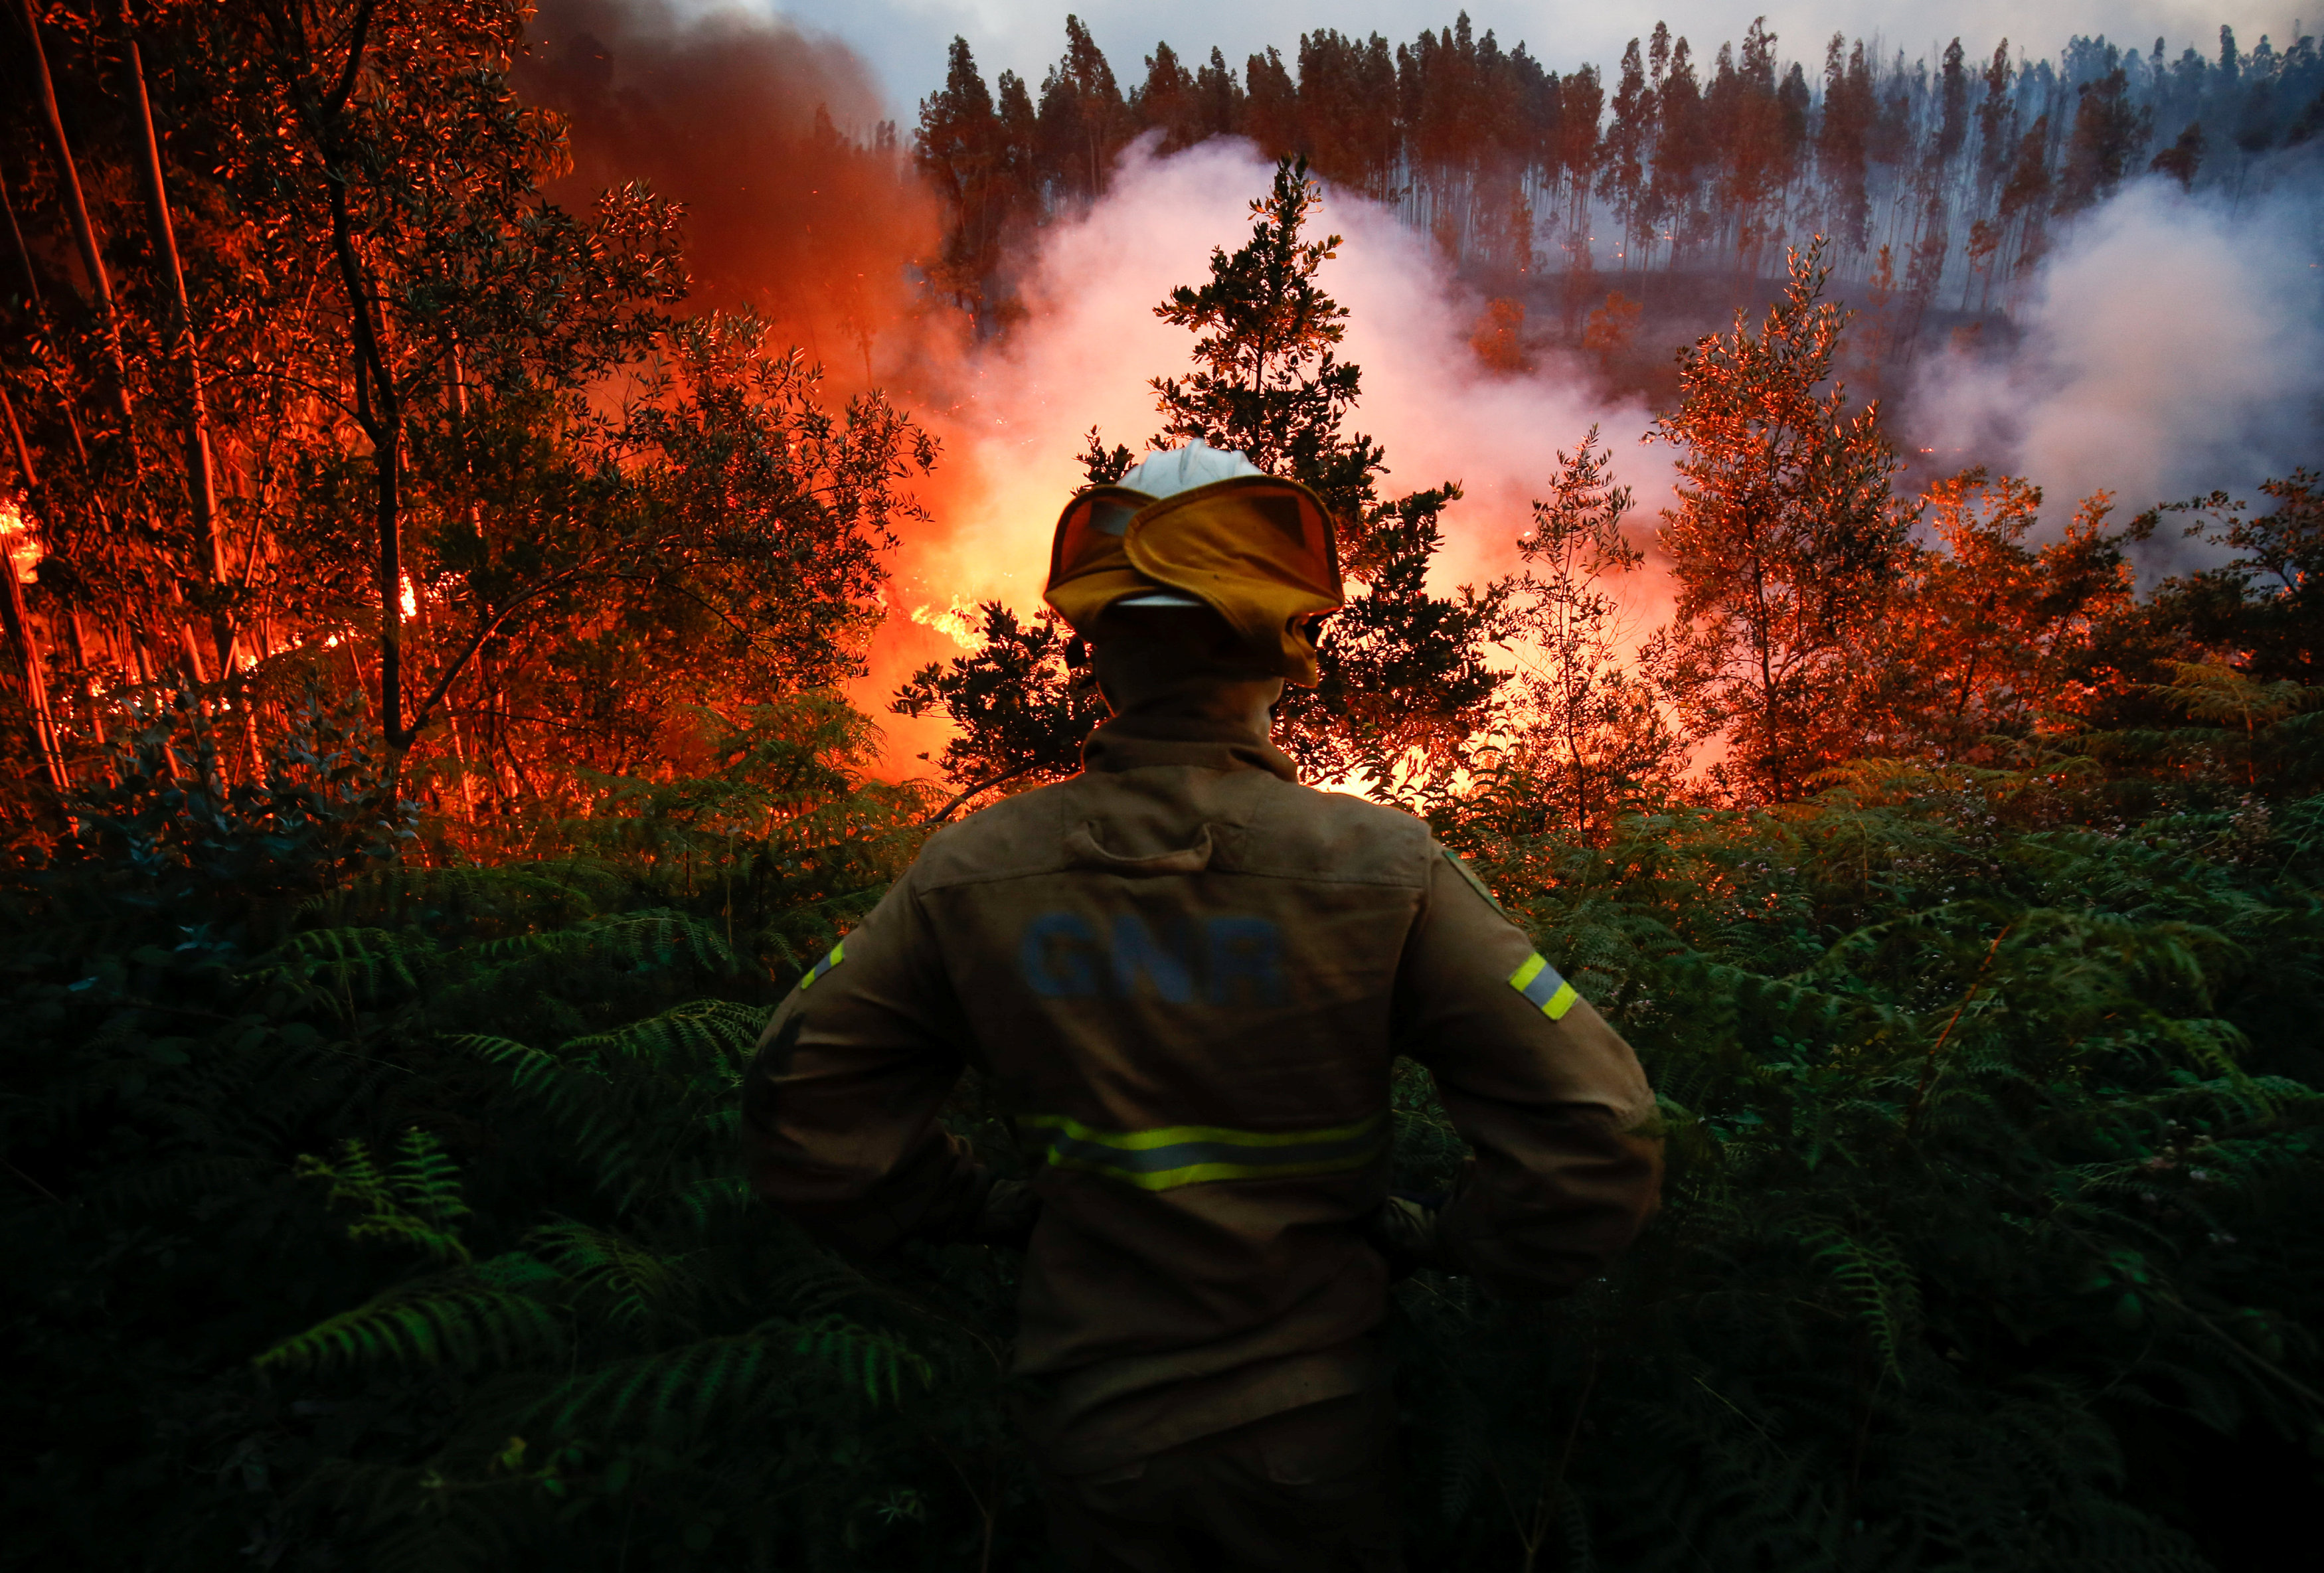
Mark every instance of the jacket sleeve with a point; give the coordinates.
(1554, 1103)
(840, 1104)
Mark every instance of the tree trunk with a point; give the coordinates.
(379, 412)
(21, 641)
(200, 486)
(23, 253)
(76, 210)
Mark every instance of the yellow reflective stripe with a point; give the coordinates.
(1538, 981)
(1169, 1156)
(1171, 1136)
(1197, 1173)
(838, 955)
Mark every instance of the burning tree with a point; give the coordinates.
(1987, 641)
(1595, 734)
(431, 433)
(1783, 545)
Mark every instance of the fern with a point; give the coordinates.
(451, 1322)
(416, 1201)
(1991, 1128)
(701, 1032)
(670, 1392)
(348, 958)
(875, 1363)
(637, 1289)
(1881, 1286)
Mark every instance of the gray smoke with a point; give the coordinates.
(2167, 346)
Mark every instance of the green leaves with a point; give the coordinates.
(1022, 709)
(1859, 1316)
(1270, 387)
(875, 1363)
(414, 1201)
(422, 1325)
(1878, 1283)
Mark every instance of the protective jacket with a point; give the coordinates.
(1187, 977)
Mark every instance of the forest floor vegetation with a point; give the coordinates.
(374, 1207)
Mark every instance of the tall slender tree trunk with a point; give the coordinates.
(23, 253)
(201, 485)
(22, 642)
(1760, 637)
(40, 310)
(379, 411)
(76, 210)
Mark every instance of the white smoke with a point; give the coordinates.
(1091, 342)
(1013, 416)
(2169, 346)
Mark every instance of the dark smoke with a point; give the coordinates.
(799, 206)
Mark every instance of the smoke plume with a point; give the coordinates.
(768, 135)
(2168, 346)
(1014, 414)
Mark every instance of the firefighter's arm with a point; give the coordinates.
(1552, 1100)
(839, 1106)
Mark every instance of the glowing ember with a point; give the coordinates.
(410, 602)
(955, 623)
(24, 547)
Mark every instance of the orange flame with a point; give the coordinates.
(25, 553)
(955, 623)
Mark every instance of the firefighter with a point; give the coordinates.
(1187, 975)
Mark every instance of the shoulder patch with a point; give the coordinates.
(1461, 867)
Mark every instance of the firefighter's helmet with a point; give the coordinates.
(1198, 526)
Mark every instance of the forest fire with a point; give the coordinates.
(21, 542)
(522, 524)
(955, 622)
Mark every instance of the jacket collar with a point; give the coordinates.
(1184, 731)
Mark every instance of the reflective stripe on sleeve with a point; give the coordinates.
(1538, 981)
(838, 955)
(1169, 1156)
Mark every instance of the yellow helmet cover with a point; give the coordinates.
(1258, 551)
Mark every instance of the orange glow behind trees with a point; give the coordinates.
(1783, 544)
(465, 461)
(333, 359)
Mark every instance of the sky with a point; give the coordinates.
(903, 41)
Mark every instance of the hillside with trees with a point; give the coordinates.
(1940, 184)
(425, 763)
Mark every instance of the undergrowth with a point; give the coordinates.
(373, 1209)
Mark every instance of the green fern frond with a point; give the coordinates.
(416, 1201)
(1878, 1280)
(364, 957)
(638, 1288)
(441, 1322)
(714, 1032)
(711, 1202)
(530, 1070)
(646, 941)
(876, 1363)
(678, 1389)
